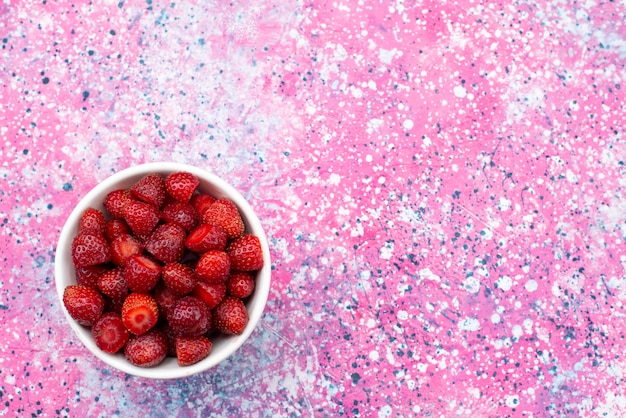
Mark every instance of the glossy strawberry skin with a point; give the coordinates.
(179, 213)
(123, 247)
(201, 202)
(140, 313)
(113, 284)
(109, 333)
(150, 189)
(191, 350)
(211, 294)
(205, 238)
(92, 220)
(225, 214)
(141, 217)
(213, 267)
(165, 298)
(141, 273)
(115, 202)
(246, 253)
(189, 317)
(179, 277)
(240, 284)
(90, 249)
(181, 185)
(89, 275)
(146, 350)
(84, 304)
(114, 228)
(167, 242)
(230, 316)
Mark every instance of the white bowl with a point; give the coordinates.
(223, 345)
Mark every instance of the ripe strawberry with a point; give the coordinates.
(146, 350)
(113, 284)
(89, 275)
(181, 185)
(205, 238)
(114, 228)
(201, 202)
(213, 267)
(240, 284)
(165, 298)
(141, 273)
(245, 253)
(179, 277)
(140, 313)
(90, 249)
(167, 242)
(123, 247)
(84, 304)
(189, 317)
(230, 316)
(171, 339)
(150, 189)
(141, 217)
(191, 350)
(114, 305)
(109, 333)
(224, 213)
(211, 294)
(92, 220)
(180, 213)
(116, 201)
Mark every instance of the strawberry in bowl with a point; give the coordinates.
(163, 270)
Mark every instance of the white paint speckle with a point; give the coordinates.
(504, 283)
(512, 401)
(460, 92)
(408, 124)
(531, 285)
(469, 324)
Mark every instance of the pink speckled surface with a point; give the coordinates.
(442, 185)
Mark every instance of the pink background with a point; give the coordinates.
(442, 185)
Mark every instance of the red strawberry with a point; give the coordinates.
(146, 350)
(113, 284)
(123, 247)
(181, 185)
(167, 243)
(114, 228)
(205, 238)
(189, 317)
(89, 249)
(211, 294)
(141, 217)
(201, 202)
(165, 298)
(141, 273)
(213, 267)
(240, 284)
(246, 253)
(140, 313)
(92, 220)
(230, 316)
(179, 277)
(171, 339)
(114, 305)
(116, 201)
(224, 213)
(83, 303)
(191, 350)
(180, 213)
(89, 275)
(109, 333)
(150, 189)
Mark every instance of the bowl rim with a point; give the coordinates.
(253, 225)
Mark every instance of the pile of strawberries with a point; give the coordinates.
(161, 270)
